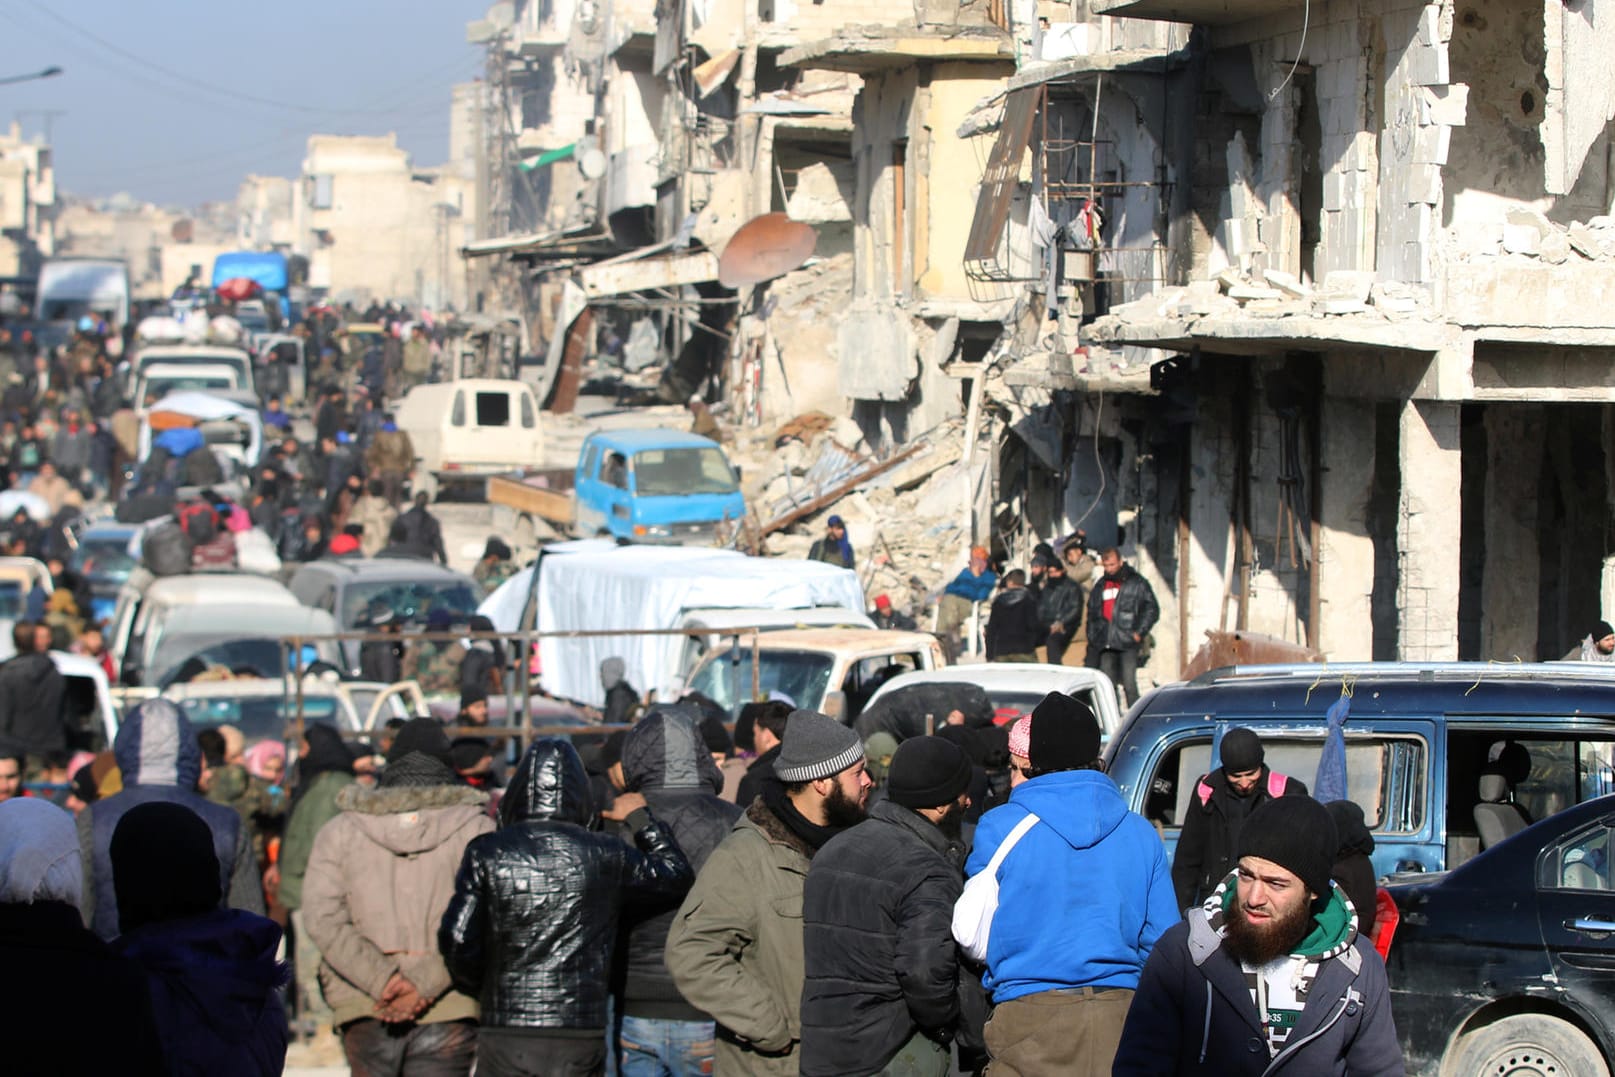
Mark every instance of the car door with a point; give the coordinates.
(1575, 897)
(586, 494)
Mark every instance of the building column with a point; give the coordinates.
(1427, 533)
(1346, 548)
(1210, 554)
(1511, 585)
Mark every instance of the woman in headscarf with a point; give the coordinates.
(324, 768)
(212, 972)
(58, 969)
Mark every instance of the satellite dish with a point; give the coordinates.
(592, 163)
(764, 248)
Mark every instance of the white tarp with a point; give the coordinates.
(597, 585)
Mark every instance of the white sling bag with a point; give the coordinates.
(973, 912)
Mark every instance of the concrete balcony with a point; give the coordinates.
(1203, 12)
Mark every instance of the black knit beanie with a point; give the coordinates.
(927, 772)
(1297, 834)
(424, 735)
(1241, 751)
(1065, 734)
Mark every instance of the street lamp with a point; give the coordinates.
(49, 73)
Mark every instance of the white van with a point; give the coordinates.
(70, 288)
(146, 603)
(464, 431)
(177, 356)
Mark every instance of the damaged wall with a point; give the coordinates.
(943, 205)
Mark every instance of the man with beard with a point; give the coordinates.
(1270, 972)
(1082, 897)
(882, 972)
(734, 949)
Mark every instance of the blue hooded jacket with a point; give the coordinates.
(159, 758)
(1083, 895)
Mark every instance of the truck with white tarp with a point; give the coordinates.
(595, 584)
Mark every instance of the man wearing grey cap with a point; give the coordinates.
(735, 947)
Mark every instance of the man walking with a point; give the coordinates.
(1221, 803)
(735, 948)
(882, 972)
(379, 879)
(160, 760)
(768, 722)
(1083, 895)
(1059, 607)
(533, 924)
(1121, 611)
(665, 759)
(1271, 972)
(31, 692)
(1013, 629)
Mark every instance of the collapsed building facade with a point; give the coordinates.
(1296, 303)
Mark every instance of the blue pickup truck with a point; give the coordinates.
(666, 487)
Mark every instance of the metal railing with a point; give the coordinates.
(522, 687)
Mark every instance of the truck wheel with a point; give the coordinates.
(1527, 1044)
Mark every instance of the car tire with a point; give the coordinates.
(1527, 1043)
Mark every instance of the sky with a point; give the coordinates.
(175, 101)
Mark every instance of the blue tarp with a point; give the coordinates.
(180, 441)
(266, 267)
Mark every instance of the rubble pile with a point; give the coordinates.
(1525, 232)
(905, 510)
(1277, 294)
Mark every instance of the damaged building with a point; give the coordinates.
(1340, 372)
(1297, 304)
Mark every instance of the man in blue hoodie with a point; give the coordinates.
(1082, 897)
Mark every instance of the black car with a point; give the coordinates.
(1506, 965)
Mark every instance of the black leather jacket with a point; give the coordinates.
(531, 928)
(1135, 611)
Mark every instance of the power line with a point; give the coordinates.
(212, 88)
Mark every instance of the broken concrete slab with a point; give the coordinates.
(1554, 248)
(1288, 283)
(1352, 284)
(1521, 239)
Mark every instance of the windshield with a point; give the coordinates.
(802, 675)
(660, 472)
(11, 600)
(181, 658)
(409, 601)
(234, 362)
(259, 717)
(157, 388)
(252, 320)
(103, 560)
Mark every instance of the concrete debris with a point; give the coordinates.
(1348, 284)
(1527, 233)
(904, 510)
(1282, 295)
(1288, 283)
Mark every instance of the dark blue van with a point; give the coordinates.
(1417, 738)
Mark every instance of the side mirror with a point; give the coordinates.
(835, 705)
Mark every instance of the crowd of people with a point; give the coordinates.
(798, 897)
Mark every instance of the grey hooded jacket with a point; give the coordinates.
(665, 759)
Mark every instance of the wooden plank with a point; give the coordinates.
(645, 274)
(825, 500)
